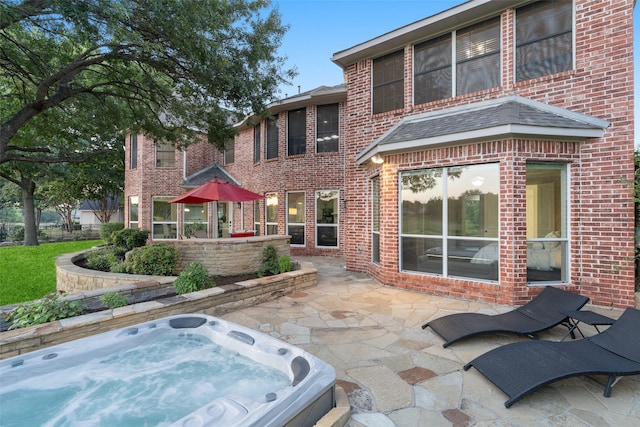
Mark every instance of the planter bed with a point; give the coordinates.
(214, 301)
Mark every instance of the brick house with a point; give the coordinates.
(295, 159)
(518, 114)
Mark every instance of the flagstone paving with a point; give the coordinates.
(396, 374)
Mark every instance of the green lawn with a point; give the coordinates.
(29, 272)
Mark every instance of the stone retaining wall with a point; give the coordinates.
(221, 257)
(215, 301)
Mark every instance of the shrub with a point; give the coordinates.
(102, 259)
(158, 259)
(51, 307)
(130, 238)
(16, 234)
(269, 264)
(284, 263)
(193, 278)
(107, 230)
(121, 267)
(114, 300)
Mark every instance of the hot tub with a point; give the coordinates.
(187, 370)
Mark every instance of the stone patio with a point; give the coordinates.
(396, 374)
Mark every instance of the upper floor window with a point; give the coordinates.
(256, 144)
(475, 63)
(327, 133)
(229, 152)
(272, 138)
(297, 132)
(388, 82)
(433, 64)
(165, 155)
(544, 39)
(478, 57)
(133, 151)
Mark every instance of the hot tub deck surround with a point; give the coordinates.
(396, 374)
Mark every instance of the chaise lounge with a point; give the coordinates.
(543, 312)
(521, 368)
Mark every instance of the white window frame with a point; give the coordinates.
(297, 224)
(335, 225)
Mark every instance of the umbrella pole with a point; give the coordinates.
(214, 231)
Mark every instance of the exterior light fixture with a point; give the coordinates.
(377, 159)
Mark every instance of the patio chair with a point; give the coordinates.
(521, 368)
(543, 312)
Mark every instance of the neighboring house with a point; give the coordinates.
(87, 216)
(482, 153)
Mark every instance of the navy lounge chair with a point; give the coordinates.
(521, 368)
(543, 312)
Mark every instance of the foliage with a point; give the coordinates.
(107, 229)
(269, 264)
(51, 307)
(157, 259)
(29, 272)
(284, 264)
(16, 234)
(102, 259)
(129, 238)
(193, 278)
(167, 67)
(122, 267)
(114, 300)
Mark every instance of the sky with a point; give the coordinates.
(320, 28)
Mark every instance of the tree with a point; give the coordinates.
(167, 67)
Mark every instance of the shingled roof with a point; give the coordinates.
(507, 116)
(206, 175)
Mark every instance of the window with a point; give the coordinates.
(296, 217)
(388, 82)
(375, 219)
(449, 221)
(272, 138)
(547, 223)
(133, 211)
(165, 155)
(297, 132)
(133, 151)
(475, 62)
(478, 57)
(327, 133)
(195, 220)
(256, 217)
(165, 219)
(327, 218)
(229, 152)
(544, 39)
(256, 144)
(433, 64)
(271, 213)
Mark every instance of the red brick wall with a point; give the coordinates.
(309, 172)
(601, 85)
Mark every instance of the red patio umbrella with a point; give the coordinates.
(215, 190)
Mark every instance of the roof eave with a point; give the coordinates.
(487, 134)
(465, 14)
